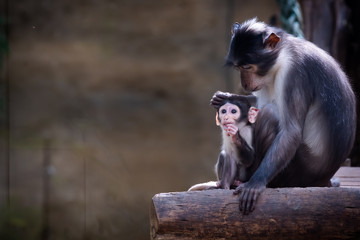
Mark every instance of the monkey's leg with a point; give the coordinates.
(228, 173)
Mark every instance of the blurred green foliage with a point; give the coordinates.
(20, 222)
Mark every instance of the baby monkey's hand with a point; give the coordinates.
(231, 130)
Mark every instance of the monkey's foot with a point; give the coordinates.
(236, 183)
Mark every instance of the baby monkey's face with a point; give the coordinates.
(229, 114)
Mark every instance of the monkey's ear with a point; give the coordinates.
(252, 114)
(235, 27)
(271, 41)
(217, 119)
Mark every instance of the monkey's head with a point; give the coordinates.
(229, 114)
(235, 112)
(253, 52)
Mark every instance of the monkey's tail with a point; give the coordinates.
(204, 186)
(335, 182)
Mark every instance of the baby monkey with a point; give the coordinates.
(235, 164)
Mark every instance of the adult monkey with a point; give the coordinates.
(314, 102)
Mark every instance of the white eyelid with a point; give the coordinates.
(246, 67)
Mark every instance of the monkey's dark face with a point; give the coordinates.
(252, 54)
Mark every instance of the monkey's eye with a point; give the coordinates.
(223, 111)
(233, 111)
(246, 67)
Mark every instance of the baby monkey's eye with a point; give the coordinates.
(223, 111)
(233, 111)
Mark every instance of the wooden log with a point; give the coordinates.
(286, 213)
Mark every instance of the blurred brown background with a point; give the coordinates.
(108, 105)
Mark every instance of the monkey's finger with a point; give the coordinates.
(215, 102)
(230, 125)
(240, 201)
(218, 98)
(244, 200)
(231, 134)
(232, 128)
(228, 131)
(248, 202)
(220, 94)
(232, 131)
(215, 105)
(251, 201)
(254, 201)
(238, 190)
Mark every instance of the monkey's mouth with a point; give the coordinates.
(249, 89)
(257, 88)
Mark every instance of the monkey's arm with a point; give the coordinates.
(281, 151)
(247, 154)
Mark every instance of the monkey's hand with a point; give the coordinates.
(249, 193)
(232, 131)
(218, 98)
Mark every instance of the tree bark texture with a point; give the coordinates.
(286, 213)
